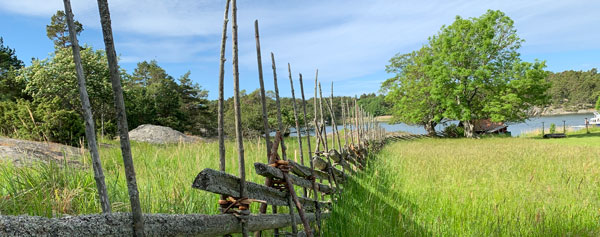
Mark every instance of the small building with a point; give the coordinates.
(486, 126)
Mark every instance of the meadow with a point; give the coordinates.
(476, 187)
(164, 175)
(426, 187)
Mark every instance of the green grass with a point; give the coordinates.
(475, 187)
(164, 175)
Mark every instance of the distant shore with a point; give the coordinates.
(549, 111)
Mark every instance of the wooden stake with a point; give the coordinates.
(267, 130)
(90, 131)
(297, 123)
(330, 167)
(220, 116)
(283, 149)
(115, 77)
(314, 185)
(335, 129)
(238, 113)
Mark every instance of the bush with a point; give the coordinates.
(552, 128)
(43, 122)
(454, 130)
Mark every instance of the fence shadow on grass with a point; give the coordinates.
(370, 206)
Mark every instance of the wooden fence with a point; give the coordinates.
(308, 192)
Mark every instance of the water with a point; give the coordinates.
(572, 121)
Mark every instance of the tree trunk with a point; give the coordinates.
(115, 77)
(90, 131)
(468, 126)
(430, 128)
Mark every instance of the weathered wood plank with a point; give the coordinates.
(222, 183)
(304, 171)
(119, 224)
(271, 172)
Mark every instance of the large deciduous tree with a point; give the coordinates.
(471, 70)
(416, 100)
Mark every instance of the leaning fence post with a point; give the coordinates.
(220, 117)
(330, 166)
(314, 185)
(283, 149)
(90, 131)
(238, 117)
(297, 123)
(111, 55)
(267, 130)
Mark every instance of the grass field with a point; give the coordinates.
(164, 174)
(476, 187)
(427, 187)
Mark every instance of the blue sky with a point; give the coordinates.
(350, 42)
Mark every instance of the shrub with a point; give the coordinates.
(552, 128)
(454, 130)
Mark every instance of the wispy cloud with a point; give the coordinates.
(346, 40)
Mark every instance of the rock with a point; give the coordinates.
(22, 152)
(160, 135)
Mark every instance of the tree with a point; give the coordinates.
(194, 106)
(574, 89)
(415, 98)
(10, 88)
(476, 62)
(598, 104)
(58, 32)
(55, 77)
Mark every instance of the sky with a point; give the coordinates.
(349, 42)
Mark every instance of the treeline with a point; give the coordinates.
(41, 101)
(574, 89)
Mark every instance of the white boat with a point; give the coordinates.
(595, 121)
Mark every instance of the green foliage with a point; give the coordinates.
(598, 103)
(453, 130)
(574, 89)
(10, 87)
(470, 70)
(412, 91)
(552, 128)
(45, 121)
(374, 104)
(58, 31)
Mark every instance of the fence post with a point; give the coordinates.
(314, 185)
(220, 117)
(297, 123)
(111, 55)
(283, 149)
(90, 131)
(267, 130)
(238, 117)
(330, 168)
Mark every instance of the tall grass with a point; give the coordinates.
(466, 187)
(164, 175)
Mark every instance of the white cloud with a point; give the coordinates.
(344, 39)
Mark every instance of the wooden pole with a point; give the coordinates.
(344, 119)
(317, 129)
(332, 111)
(330, 166)
(267, 130)
(314, 185)
(90, 131)
(297, 123)
(238, 113)
(280, 129)
(350, 117)
(220, 116)
(115, 77)
(356, 122)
